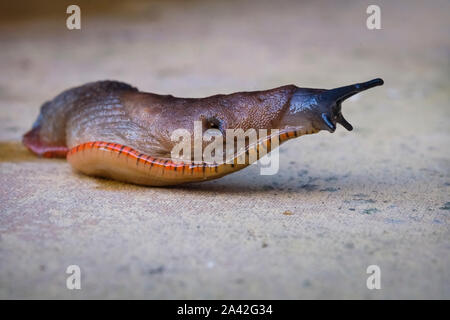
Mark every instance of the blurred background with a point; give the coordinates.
(377, 195)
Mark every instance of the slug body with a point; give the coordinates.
(110, 129)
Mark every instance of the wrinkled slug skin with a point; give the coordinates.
(111, 129)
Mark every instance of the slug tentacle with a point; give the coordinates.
(111, 129)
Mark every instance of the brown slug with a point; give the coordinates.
(110, 129)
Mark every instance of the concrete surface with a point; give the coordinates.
(377, 195)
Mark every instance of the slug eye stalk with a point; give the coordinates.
(336, 96)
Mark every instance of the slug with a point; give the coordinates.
(110, 129)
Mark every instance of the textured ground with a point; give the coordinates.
(377, 195)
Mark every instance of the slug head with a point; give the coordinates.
(317, 109)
